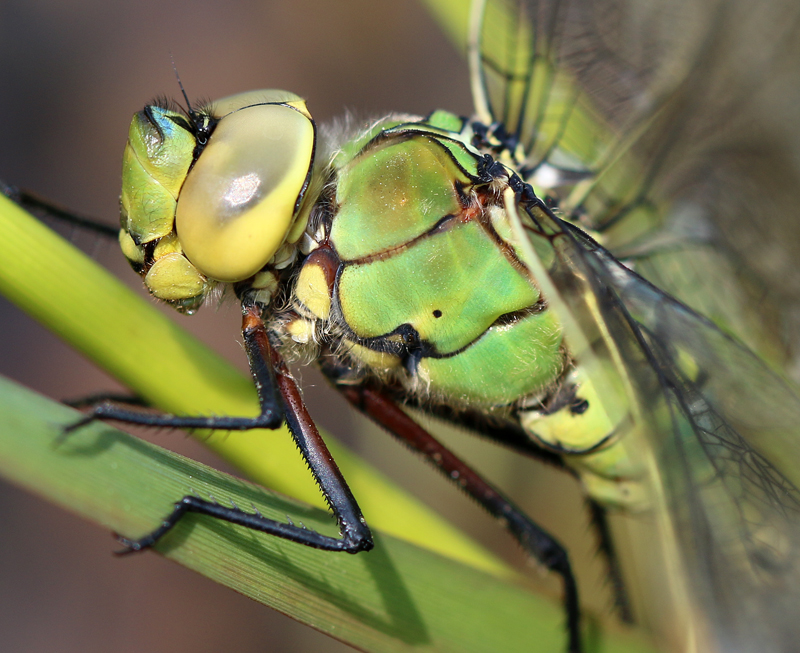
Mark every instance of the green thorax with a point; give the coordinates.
(425, 288)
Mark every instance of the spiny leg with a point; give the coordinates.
(608, 550)
(516, 439)
(271, 413)
(279, 396)
(385, 412)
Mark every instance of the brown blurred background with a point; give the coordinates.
(71, 76)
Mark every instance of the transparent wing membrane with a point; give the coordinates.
(717, 432)
(723, 429)
(647, 124)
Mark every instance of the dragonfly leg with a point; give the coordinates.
(43, 208)
(105, 397)
(608, 550)
(259, 351)
(544, 547)
(269, 368)
(521, 442)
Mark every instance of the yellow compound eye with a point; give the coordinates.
(240, 198)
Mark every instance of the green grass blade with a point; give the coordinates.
(397, 597)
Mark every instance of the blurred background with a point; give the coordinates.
(71, 76)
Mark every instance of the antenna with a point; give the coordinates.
(200, 121)
(189, 109)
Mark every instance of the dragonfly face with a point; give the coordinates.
(236, 205)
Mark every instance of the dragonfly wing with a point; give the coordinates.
(565, 83)
(666, 129)
(725, 431)
(721, 433)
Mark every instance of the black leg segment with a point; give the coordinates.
(43, 208)
(256, 341)
(279, 397)
(544, 547)
(609, 552)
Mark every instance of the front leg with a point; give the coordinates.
(279, 397)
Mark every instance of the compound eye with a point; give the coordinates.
(239, 200)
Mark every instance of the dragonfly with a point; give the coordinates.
(559, 182)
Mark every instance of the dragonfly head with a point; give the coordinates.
(210, 195)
